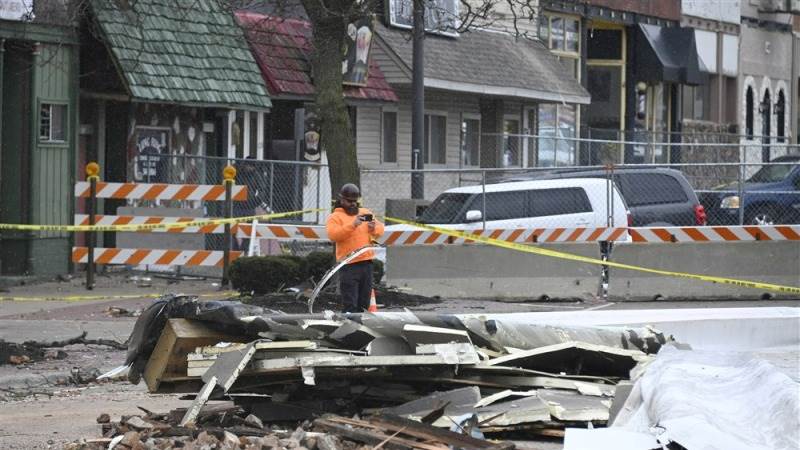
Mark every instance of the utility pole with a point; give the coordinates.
(418, 106)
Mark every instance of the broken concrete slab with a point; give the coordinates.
(574, 358)
(570, 406)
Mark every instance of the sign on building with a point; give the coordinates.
(16, 9)
(441, 16)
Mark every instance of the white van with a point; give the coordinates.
(560, 203)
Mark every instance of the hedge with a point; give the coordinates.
(266, 274)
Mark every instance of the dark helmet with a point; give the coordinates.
(350, 192)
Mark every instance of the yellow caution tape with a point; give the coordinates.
(587, 260)
(84, 298)
(153, 226)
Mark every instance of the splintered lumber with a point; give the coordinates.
(574, 358)
(178, 339)
(229, 366)
(259, 345)
(398, 433)
(432, 434)
(199, 401)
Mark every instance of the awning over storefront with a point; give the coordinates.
(667, 54)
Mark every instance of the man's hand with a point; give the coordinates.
(371, 226)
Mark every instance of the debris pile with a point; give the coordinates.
(227, 426)
(480, 378)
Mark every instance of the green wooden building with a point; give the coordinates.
(38, 117)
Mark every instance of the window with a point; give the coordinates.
(551, 202)
(748, 112)
(556, 128)
(445, 208)
(53, 125)
(780, 110)
(561, 34)
(502, 205)
(697, 102)
(389, 135)
(651, 189)
(512, 148)
(470, 141)
(435, 139)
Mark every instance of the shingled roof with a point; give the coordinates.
(489, 63)
(282, 48)
(188, 52)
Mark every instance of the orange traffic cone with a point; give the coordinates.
(373, 307)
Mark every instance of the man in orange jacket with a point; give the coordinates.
(351, 228)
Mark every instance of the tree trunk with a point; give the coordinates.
(326, 63)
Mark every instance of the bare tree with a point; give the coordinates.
(329, 20)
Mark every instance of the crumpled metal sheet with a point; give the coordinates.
(714, 400)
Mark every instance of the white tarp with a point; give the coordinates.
(714, 400)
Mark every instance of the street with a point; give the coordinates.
(61, 411)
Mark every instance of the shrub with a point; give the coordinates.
(377, 271)
(265, 274)
(318, 263)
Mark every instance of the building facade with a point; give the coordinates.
(38, 117)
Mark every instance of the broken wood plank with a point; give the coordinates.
(178, 339)
(431, 433)
(197, 404)
(229, 366)
(373, 437)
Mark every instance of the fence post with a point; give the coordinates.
(483, 198)
(228, 175)
(92, 171)
(742, 168)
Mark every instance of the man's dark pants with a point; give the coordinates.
(355, 284)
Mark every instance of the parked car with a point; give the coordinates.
(567, 203)
(771, 196)
(655, 196)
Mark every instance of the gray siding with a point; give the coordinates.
(394, 73)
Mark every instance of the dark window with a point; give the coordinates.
(651, 189)
(748, 113)
(502, 205)
(53, 125)
(604, 44)
(435, 139)
(780, 110)
(551, 202)
(445, 208)
(389, 136)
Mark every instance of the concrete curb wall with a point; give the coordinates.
(479, 271)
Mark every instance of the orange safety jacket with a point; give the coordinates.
(349, 238)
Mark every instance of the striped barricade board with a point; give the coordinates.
(737, 233)
(426, 237)
(148, 191)
(108, 220)
(134, 256)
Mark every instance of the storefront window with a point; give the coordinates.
(470, 141)
(556, 129)
(512, 148)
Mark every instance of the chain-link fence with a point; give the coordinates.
(710, 181)
(273, 187)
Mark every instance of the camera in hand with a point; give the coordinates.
(367, 217)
